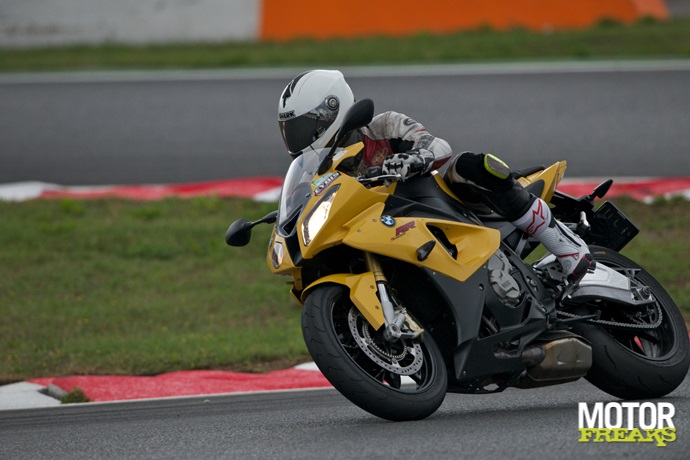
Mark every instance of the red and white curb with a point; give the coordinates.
(47, 392)
(25, 395)
(267, 189)
(638, 188)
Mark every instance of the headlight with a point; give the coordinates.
(317, 216)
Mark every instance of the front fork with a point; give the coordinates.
(398, 323)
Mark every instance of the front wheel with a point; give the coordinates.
(403, 380)
(647, 361)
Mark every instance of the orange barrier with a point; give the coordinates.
(322, 19)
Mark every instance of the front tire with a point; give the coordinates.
(636, 364)
(405, 380)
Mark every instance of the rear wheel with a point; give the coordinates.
(403, 380)
(648, 361)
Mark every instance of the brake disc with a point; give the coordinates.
(407, 361)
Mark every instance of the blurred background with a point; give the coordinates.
(173, 91)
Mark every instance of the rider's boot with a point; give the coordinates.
(571, 251)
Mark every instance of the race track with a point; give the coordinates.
(87, 129)
(319, 424)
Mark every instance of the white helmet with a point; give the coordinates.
(311, 109)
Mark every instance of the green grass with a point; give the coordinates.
(75, 395)
(645, 39)
(124, 287)
(108, 286)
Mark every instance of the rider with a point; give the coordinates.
(485, 178)
(311, 109)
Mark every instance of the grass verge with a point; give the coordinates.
(118, 287)
(647, 38)
(124, 287)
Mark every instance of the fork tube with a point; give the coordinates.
(374, 266)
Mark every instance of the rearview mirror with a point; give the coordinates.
(360, 114)
(240, 232)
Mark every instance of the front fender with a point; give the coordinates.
(362, 293)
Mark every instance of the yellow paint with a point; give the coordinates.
(362, 293)
(551, 177)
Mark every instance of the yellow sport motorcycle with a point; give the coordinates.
(409, 294)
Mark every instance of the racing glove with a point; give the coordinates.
(406, 164)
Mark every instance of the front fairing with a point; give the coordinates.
(297, 190)
(302, 198)
(294, 196)
(319, 212)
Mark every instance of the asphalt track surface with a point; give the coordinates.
(319, 424)
(606, 119)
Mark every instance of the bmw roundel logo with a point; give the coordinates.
(388, 221)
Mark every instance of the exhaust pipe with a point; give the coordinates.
(559, 361)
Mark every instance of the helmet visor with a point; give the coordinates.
(302, 131)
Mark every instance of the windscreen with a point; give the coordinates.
(296, 189)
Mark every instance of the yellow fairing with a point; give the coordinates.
(443, 185)
(362, 293)
(286, 266)
(551, 177)
(350, 198)
(475, 244)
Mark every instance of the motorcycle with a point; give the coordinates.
(409, 294)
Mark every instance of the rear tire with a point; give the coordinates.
(643, 364)
(367, 377)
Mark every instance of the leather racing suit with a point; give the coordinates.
(391, 132)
